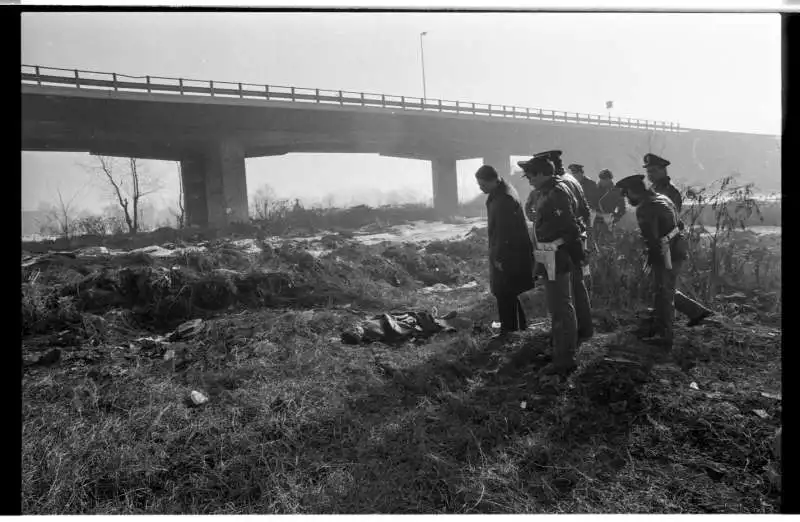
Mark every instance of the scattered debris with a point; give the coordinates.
(187, 330)
(523, 405)
(773, 396)
(197, 398)
(693, 385)
(762, 414)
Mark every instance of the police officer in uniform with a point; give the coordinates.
(580, 292)
(558, 231)
(610, 204)
(656, 168)
(588, 186)
(666, 250)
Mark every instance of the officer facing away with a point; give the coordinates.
(657, 175)
(610, 204)
(558, 248)
(666, 250)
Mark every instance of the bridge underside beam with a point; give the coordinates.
(501, 162)
(215, 185)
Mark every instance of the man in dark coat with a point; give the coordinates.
(656, 168)
(510, 250)
(559, 245)
(666, 250)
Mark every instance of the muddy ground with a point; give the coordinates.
(288, 418)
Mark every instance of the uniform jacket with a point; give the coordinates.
(530, 205)
(666, 188)
(657, 217)
(509, 243)
(611, 202)
(556, 219)
(583, 206)
(591, 192)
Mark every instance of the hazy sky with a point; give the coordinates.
(710, 71)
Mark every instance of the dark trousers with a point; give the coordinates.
(512, 317)
(664, 282)
(580, 299)
(562, 315)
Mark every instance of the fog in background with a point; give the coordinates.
(709, 71)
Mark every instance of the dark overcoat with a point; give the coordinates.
(509, 243)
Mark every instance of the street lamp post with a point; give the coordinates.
(422, 56)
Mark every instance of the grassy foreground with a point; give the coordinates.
(298, 422)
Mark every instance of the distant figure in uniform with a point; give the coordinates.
(589, 188)
(580, 292)
(510, 249)
(558, 231)
(610, 205)
(656, 168)
(665, 247)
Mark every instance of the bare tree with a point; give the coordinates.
(59, 218)
(180, 214)
(263, 202)
(128, 186)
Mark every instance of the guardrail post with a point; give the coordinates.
(114, 79)
(180, 85)
(383, 100)
(266, 91)
(77, 79)
(293, 99)
(341, 98)
(38, 77)
(241, 94)
(473, 108)
(211, 83)
(362, 99)
(148, 83)
(403, 101)
(527, 113)
(316, 94)
(440, 105)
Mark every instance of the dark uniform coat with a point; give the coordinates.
(666, 188)
(509, 243)
(611, 202)
(530, 205)
(556, 219)
(591, 192)
(583, 206)
(657, 217)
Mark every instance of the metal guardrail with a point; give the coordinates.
(94, 80)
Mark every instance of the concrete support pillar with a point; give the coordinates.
(445, 186)
(226, 185)
(501, 163)
(215, 185)
(193, 176)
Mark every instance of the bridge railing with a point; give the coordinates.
(93, 80)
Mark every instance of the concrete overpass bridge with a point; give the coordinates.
(211, 127)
